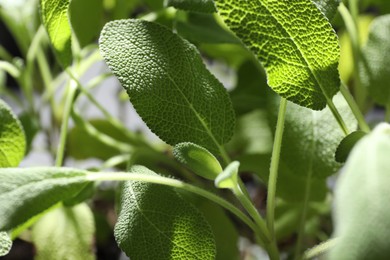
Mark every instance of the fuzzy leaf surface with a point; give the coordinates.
(54, 15)
(65, 233)
(362, 213)
(12, 140)
(288, 39)
(26, 192)
(5, 243)
(202, 6)
(168, 84)
(376, 65)
(156, 223)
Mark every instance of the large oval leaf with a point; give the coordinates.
(362, 213)
(295, 43)
(168, 84)
(155, 223)
(12, 140)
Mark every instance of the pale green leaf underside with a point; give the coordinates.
(25, 193)
(294, 42)
(376, 65)
(204, 6)
(5, 243)
(362, 214)
(155, 223)
(168, 84)
(12, 140)
(65, 233)
(54, 14)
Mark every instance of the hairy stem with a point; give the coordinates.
(337, 116)
(319, 249)
(273, 176)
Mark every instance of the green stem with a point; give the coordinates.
(337, 116)
(319, 249)
(350, 21)
(302, 224)
(72, 90)
(274, 167)
(125, 176)
(355, 108)
(114, 161)
(10, 69)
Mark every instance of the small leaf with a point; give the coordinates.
(203, 28)
(156, 223)
(12, 140)
(86, 19)
(228, 179)
(362, 213)
(375, 68)
(54, 15)
(65, 233)
(203, 6)
(328, 7)
(347, 144)
(168, 84)
(198, 159)
(5, 243)
(26, 192)
(288, 38)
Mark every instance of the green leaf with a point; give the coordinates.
(86, 19)
(168, 84)
(156, 223)
(328, 7)
(198, 159)
(203, 28)
(31, 128)
(228, 179)
(203, 6)
(362, 213)
(5, 243)
(12, 140)
(65, 233)
(26, 192)
(347, 144)
(375, 69)
(54, 15)
(288, 38)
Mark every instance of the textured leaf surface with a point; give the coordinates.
(289, 38)
(54, 14)
(26, 192)
(168, 83)
(155, 223)
(12, 140)
(362, 214)
(65, 233)
(376, 68)
(347, 144)
(204, 6)
(198, 159)
(328, 7)
(5, 243)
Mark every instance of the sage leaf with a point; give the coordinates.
(26, 192)
(198, 159)
(12, 139)
(375, 69)
(288, 39)
(228, 179)
(168, 84)
(156, 223)
(362, 213)
(328, 7)
(5, 243)
(65, 233)
(347, 144)
(54, 15)
(202, 6)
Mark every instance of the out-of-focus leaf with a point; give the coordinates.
(362, 213)
(328, 7)
(347, 144)
(65, 233)
(156, 223)
(30, 127)
(5, 243)
(203, 6)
